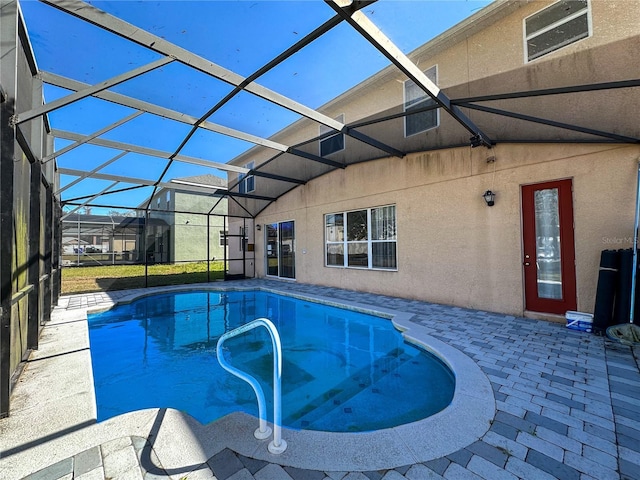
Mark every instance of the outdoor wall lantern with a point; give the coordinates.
(489, 197)
(258, 227)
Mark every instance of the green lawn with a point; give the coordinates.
(121, 277)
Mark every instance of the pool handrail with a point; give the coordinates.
(278, 444)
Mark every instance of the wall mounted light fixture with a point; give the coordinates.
(489, 197)
(258, 227)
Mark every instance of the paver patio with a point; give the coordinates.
(567, 406)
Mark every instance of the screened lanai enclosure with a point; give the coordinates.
(152, 248)
(150, 134)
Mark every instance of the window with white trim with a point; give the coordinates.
(247, 183)
(415, 99)
(222, 238)
(362, 239)
(556, 26)
(334, 143)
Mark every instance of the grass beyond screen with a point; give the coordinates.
(122, 277)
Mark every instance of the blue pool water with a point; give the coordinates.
(342, 370)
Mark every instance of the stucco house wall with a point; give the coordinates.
(178, 223)
(452, 248)
(189, 232)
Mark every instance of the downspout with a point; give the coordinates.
(144, 237)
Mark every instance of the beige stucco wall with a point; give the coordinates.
(481, 57)
(189, 231)
(452, 248)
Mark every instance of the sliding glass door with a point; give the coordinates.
(281, 250)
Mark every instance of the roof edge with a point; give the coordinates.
(477, 22)
(473, 24)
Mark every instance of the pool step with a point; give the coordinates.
(337, 401)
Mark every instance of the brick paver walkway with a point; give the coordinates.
(567, 406)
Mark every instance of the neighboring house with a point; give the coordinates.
(416, 225)
(178, 221)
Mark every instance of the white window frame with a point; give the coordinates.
(223, 239)
(244, 180)
(423, 99)
(370, 242)
(551, 26)
(324, 129)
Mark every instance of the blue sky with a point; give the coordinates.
(241, 36)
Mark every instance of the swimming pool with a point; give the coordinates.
(342, 370)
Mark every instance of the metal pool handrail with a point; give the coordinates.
(278, 445)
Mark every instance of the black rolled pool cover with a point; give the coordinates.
(622, 304)
(606, 290)
(636, 310)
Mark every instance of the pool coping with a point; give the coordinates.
(463, 422)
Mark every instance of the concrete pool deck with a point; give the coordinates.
(564, 404)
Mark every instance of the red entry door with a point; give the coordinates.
(549, 251)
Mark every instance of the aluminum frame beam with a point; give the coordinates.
(153, 183)
(196, 184)
(93, 197)
(88, 174)
(361, 23)
(148, 151)
(91, 136)
(70, 201)
(553, 123)
(273, 176)
(468, 102)
(299, 45)
(135, 34)
(63, 82)
(119, 178)
(591, 87)
(119, 27)
(87, 92)
(352, 132)
(165, 155)
(315, 158)
(393, 116)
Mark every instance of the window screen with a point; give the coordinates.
(334, 143)
(558, 25)
(415, 99)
